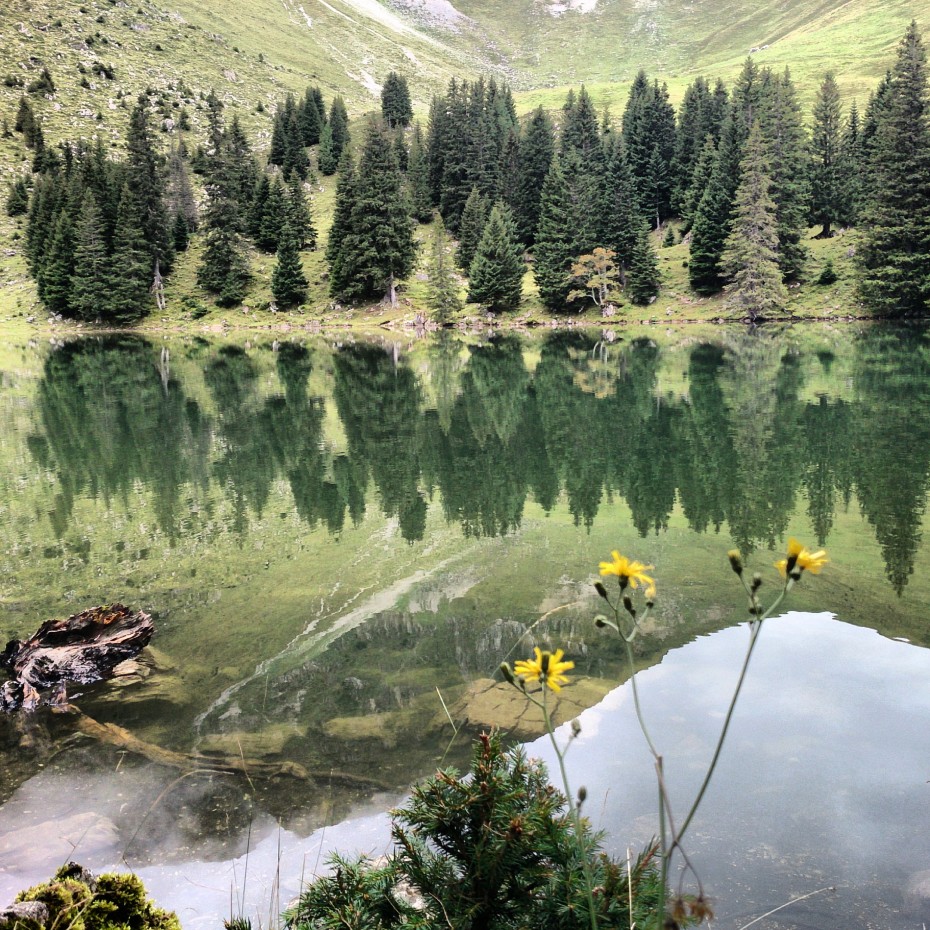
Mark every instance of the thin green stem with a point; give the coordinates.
(573, 807)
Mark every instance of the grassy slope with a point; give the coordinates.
(257, 51)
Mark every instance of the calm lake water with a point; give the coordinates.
(340, 540)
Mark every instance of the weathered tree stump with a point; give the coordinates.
(83, 649)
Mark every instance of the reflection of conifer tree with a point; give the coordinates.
(571, 418)
(704, 447)
(379, 402)
(892, 441)
(761, 390)
(110, 421)
(245, 466)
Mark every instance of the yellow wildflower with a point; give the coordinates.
(546, 668)
(627, 571)
(801, 558)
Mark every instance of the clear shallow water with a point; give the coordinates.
(327, 533)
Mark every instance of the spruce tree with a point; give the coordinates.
(496, 273)
(144, 178)
(471, 229)
(58, 268)
(442, 287)
(379, 248)
(643, 279)
(327, 156)
(339, 125)
(850, 170)
(700, 178)
(620, 221)
(224, 269)
(418, 187)
(272, 218)
(297, 211)
(256, 212)
(338, 247)
(89, 284)
(750, 257)
(537, 147)
(288, 281)
(895, 255)
(396, 108)
(826, 183)
(180, 233)
(311, 117)
(129, 271)
(17, 201)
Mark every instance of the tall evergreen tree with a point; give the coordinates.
(327, 156)
(699, 181)
(288, 281)
(312, 116)
(339, 125)
(643, 279)
(224, 268)
(396, 109)
(443, 288)
(298, 215)
(895, 254)
(58, 268)
(850, 170)
(144, 178)
(338, 247)
(474, 218)
(273, 217)
(496, 273)
(17, 201)
(537, 147)
(418, 185)
(750, 258)
(379, 248)
(90, 286)
(826, 142)
(621, 221)
(130, 274)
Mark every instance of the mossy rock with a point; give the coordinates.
(77, 900)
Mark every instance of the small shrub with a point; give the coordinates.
(828, 275)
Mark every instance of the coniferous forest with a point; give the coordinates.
(579, 198)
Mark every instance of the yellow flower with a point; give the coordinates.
(628, 572)
(546, 668)
(801, 558)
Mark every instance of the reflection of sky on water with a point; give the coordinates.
(823, 782)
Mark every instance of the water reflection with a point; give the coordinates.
(735, 445)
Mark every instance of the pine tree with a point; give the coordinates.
(496, 273)
(826, 184)
(90, 286)
(256, 212)
(339, 125)
(750, 258)
(272, 218)
(288, 281)
(396, 108)
(700, 178)
(129, 269)
(895, 255)
(181, 233)
(643, 279)
(311, 117)
(224, 269)
(338, 248)
(850, 170)
(442, 288)
(621, 220)
(379, 248)
(295, 155)
(471, 229)
(537, 147)
(581, 131)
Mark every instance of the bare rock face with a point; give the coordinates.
(23, 911)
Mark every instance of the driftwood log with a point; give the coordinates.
(83, 649)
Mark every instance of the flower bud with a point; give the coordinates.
(756, 582)
(507, 673)
(600, 590)
(600, 622)
(736, 561)
(576, 727)
(582, 794)
(628, 604)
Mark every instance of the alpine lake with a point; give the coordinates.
(340, 540)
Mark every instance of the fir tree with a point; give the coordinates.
(496, 273)
(643, 279)
(272, 218)
(312, 117)
(826, 184)
(396, 108)
(581, 131)
(26, 122)
(224, 269)
(90, 287)
(339, 125)
(288, 281)
(895, 254)
(851, 169)
(181, 233)
(750, 258)
(58, 267)
(257, 207)
(474, 218)
(699, 181)
(442, 288)
(621, 220)
(295, 155)
(378, 249)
